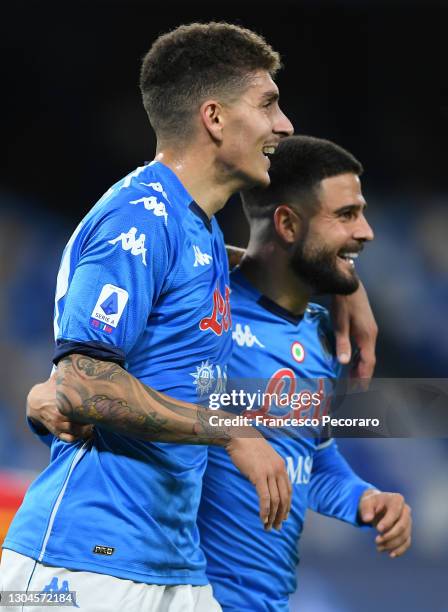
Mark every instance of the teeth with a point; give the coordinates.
(349, 255)
(269, 150)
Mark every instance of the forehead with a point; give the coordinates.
(261, 85)
(341, 190)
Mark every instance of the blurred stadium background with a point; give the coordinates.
(369, 75)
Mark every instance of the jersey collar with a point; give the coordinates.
(238, 277)
(181, 194)
(197, 210)
(176, 188)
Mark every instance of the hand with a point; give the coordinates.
(391, 516)
(352, 316)
(266, 470)
(41, 408)
(234, 255)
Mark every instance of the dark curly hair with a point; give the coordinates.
(299, 165)
(196, 61)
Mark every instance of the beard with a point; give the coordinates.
(318, 268)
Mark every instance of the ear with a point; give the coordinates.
(287, 224)
(211, 114)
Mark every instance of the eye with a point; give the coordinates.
(348, 215)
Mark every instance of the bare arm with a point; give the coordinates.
(89, 391)
(102, 393)
(234, 255)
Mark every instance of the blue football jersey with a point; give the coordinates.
(144, 282)
(281, 355)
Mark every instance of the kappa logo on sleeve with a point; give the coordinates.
(109, 308)
(157, 187)
(152, 203)
(130, 242)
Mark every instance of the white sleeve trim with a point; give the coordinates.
(324, 444)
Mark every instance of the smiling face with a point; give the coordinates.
(253, 126)
(326, 251)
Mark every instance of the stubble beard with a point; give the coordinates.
(318, 268)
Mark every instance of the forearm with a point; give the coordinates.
(335, 489)
(104, 394)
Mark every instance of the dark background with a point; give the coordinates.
(370, 75)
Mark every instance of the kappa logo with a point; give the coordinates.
(153, 204)
(157, 187)
(244, 337)
(130, 242)
(69, 597)
(201, 259)
(53, 587)
(128, 180)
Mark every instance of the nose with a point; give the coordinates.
(363, 231)
(283, 125)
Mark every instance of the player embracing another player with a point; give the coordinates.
(306, 231)
(142, 306)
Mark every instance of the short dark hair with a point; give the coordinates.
(193, 62)
(298, 166)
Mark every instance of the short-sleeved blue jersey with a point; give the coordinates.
(250, 569)
(143, 281)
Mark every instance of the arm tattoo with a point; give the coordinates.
(103, 393)
(101, 407)
(102, 370)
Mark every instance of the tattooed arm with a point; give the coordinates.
(103, 393)
(88, 391)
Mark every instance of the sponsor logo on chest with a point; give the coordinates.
(299, 469)
(220, 319)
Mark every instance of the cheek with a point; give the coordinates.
(331, 236)
(239, 141)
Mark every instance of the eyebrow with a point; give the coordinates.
(269, 96)
(349, 207)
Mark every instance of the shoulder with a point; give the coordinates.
(138, 204)
(316, 310)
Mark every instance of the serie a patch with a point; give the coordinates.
(109, 308)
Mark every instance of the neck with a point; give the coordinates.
(267, 268)
(197, 171)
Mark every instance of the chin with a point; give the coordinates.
(347, 285)
(264, 180)
(336, 283)
(260, 180)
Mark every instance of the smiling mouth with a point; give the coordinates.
(349, 257)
